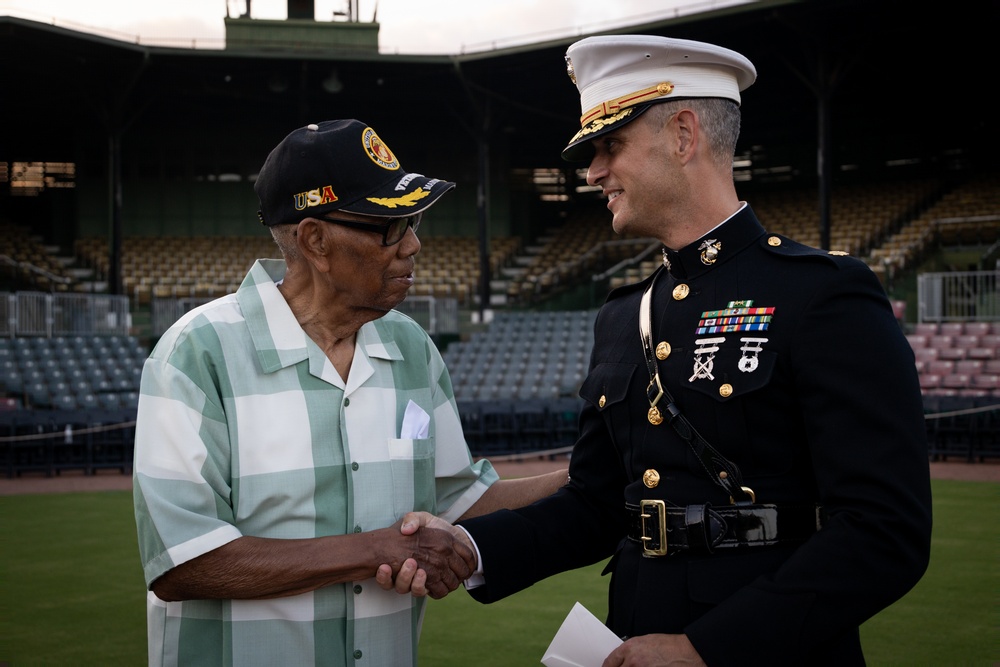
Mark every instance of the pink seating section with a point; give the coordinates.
(957, 358)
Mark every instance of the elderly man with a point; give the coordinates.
(283, 431)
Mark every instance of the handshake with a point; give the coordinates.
(426, 556)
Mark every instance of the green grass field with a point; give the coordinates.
(73, 592)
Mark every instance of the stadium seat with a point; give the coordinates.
(950, 328)
(955, 381)
(967, 341)
(64, 401)
(990, 340)
(953, 353)
(976, 328)
(941, 367)
(929, 382)
(88, 402)
(987, 381)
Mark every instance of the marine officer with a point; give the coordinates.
(752, 454)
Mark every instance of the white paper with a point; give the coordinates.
(416, 422)
(582, 641)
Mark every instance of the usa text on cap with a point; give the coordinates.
(620, 76)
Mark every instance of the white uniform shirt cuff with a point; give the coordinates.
(476, 579)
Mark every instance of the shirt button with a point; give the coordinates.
(347, 402)
(357, 529)
(357, 654)
(355, 466)
(357, 589)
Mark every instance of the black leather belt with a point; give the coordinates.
(700, 529)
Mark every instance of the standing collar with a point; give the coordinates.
(715, 247)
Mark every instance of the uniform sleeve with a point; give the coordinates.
(180, 493)
(860, 402)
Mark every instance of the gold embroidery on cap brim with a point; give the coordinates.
(601, 123)
(409, 199)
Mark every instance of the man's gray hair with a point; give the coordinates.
(285, 238)
(719, 117)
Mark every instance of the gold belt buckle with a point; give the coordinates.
(654, 509)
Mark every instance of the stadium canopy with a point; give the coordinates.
(849, 86)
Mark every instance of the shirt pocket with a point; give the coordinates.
(411, 461)
(606, 388)
(607, 384)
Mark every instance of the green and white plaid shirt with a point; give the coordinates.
(245, 428)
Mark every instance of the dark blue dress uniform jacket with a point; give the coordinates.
(830, 414)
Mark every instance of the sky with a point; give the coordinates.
(406, 26)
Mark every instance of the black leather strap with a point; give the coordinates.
(697, 520)
(719, 469)
(701, 529)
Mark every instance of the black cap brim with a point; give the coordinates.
(405, 194)
(580, 148)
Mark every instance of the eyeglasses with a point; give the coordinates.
(392, 231)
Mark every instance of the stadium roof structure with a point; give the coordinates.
(883, 67)
(854, 85)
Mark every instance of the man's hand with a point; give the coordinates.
(416, 575)
(655, 651)
(442, 557)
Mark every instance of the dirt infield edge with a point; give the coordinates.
(73, 481)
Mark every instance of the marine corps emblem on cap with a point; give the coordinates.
(570, 70)
(378, 151)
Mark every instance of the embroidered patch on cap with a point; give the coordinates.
(378, 151)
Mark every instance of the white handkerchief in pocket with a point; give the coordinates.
(416, 422)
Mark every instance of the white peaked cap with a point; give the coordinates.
(619, 76)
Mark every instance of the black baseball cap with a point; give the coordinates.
(339, 165)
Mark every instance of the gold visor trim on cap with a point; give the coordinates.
(625, 101)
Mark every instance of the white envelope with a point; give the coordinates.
(582, 641)
(416, 422)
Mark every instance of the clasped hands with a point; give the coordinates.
(442, 558)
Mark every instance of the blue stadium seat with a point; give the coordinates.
(88, 401)
(37, 393)
(109, 400)
(64, 401)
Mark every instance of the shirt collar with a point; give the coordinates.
(278, 337)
